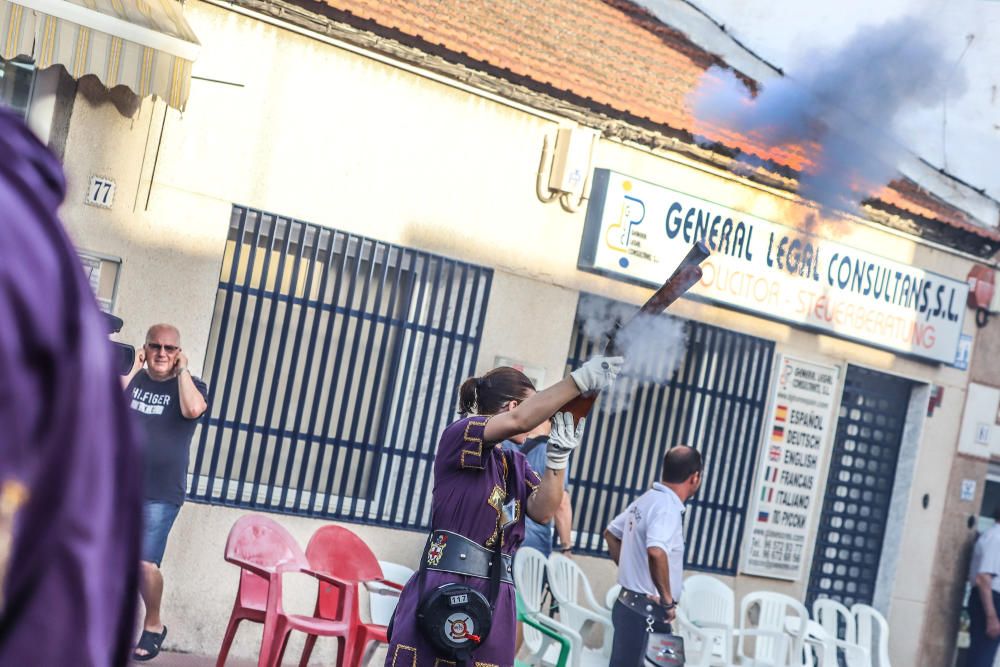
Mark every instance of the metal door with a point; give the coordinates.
(859, 487)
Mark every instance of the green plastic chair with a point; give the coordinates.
(553, 636)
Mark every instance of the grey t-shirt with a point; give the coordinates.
(165, 434)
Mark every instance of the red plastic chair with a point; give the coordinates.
(264, 551)
(341, 561)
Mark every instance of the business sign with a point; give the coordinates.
(795, 437)
(638, 232)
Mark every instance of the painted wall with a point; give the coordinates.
(296, 126)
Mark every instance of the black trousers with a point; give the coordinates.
(631, 636)
(982, 649)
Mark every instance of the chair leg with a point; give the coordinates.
(359, 651)
(307, 650)
(273, 645)
(227, 640)
(345, 651)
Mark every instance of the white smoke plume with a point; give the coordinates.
(838, 106)
(653, 346)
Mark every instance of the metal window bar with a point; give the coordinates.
(714, 401)
(334, 362)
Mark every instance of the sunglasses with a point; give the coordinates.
(156, 347)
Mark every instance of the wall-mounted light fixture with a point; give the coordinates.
(567, 166)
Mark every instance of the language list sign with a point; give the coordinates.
(802, 408)
(637, 231)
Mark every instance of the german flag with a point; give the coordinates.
(781, 413)
(778, 433)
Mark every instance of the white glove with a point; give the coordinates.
(563, 439)
(597, 374)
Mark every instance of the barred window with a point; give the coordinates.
(714, 401)
(333, 367)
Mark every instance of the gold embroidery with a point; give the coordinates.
(495, 501)
(527, 480)
(13, 494)
(395, 655)
(486, 664)
(478, 451)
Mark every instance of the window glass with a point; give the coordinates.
(16, 81)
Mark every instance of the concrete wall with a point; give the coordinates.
(299, 127)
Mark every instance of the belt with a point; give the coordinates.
(640, 603)
(454, 553)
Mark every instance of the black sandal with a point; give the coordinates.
(150, 642)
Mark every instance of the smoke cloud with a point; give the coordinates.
(838, 107)
(653, 345)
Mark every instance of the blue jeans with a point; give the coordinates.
(982, 649)
(157, 519)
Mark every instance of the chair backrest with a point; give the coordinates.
(263, 542)
(773, 612)
(873, 633)
(396, 573)
(382, 602)
(836, 619)
(337, 551)
(612, 595)
(529, 570)
(565, 579)
(708, 600)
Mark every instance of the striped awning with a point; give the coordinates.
(143, 44)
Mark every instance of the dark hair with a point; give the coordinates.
(486, 395)
(679, 463)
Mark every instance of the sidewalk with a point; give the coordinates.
(170, 659)
(167, 659)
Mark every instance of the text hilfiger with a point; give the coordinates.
(148, 402)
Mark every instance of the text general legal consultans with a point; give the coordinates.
(805, 259)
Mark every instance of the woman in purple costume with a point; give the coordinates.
(482, 492)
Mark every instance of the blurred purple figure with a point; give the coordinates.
(69, 467)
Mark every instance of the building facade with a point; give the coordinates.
(352, 214)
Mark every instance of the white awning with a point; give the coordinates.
(143, 44)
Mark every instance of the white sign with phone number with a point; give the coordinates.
(794, 440)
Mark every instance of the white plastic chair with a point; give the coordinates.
(776, 642)
(529, 570)
(840, 630)
(611, 596)
(382, 600)
(873, 633)
(698, 646)
(566, 580)
(710, 606)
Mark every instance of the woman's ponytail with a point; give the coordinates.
(467, 396)
(490, 393)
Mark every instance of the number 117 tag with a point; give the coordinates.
(101, 192)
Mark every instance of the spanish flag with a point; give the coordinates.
(781, 413)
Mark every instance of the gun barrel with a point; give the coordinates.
(684, 277)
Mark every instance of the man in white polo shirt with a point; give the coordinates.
(984, 599)
(646, 541)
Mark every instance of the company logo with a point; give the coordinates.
(631, 214)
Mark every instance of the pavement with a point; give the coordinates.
(169, 659)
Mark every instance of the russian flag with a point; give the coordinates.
(762, 516)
